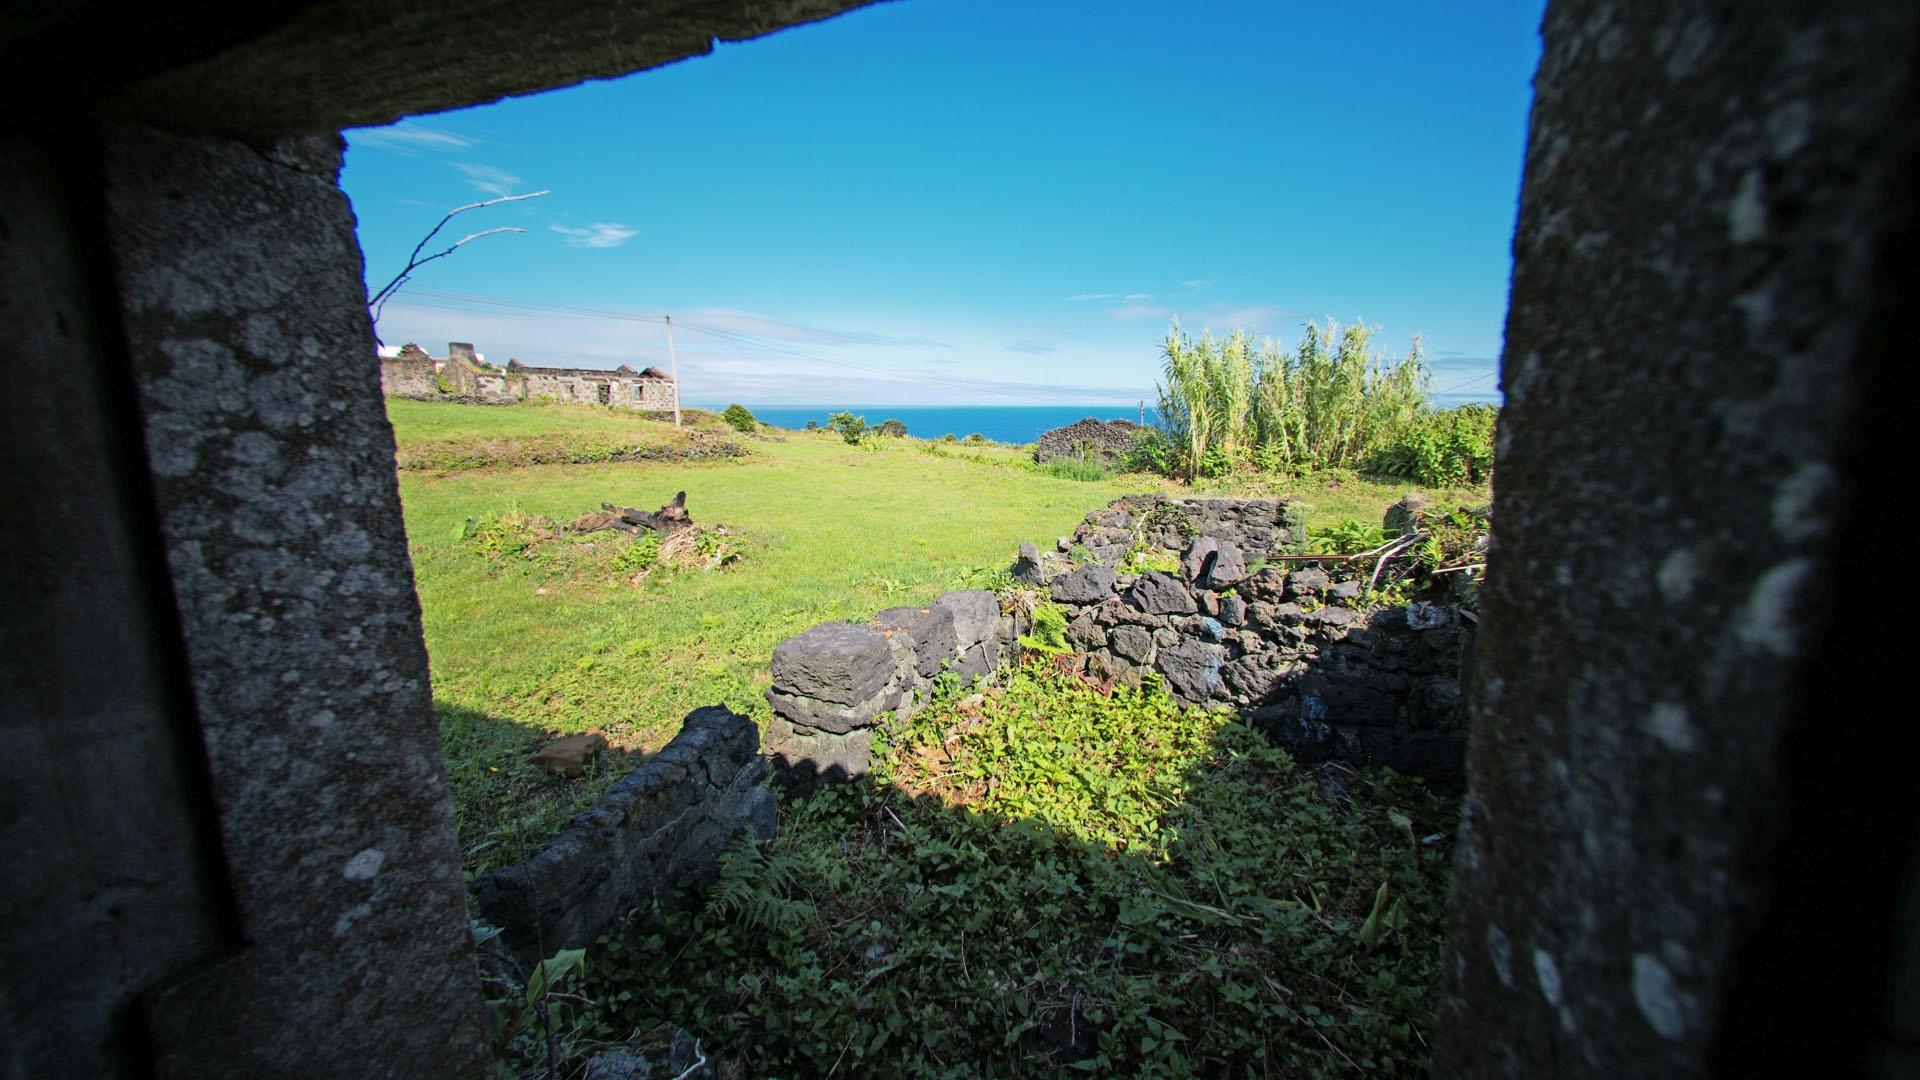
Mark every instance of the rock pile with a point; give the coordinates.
(1105, 441)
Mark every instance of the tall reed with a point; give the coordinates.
(1234, 401)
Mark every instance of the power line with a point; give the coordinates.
(1469, 384)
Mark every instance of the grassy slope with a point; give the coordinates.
(523, 648)
(419, 422)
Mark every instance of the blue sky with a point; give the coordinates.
(968, 202)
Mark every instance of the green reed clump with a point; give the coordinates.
(1233, 402)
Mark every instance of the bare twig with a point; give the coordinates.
(698, 1065)
(1389, 553)
(414, 262)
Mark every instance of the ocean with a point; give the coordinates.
(1001, 423)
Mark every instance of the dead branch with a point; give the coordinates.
(414, 262)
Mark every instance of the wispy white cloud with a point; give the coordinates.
(488, 178)
(1253, 317)
(600, 234)
(746, 322)
(1197, 284)
(1031, 348)
(1140, 311)
(407, 137)
(1092, 296)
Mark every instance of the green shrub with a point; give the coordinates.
(893, 429)
(1347, 537)
(813, 425)
(1151, 452)
(1441, 448)
(739, 419)
(976, 439)
(851, 428)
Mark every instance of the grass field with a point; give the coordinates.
(523, 648)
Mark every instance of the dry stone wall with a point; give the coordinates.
(656, 832)
(1105, 441)
(834, 684)
(1288, 644)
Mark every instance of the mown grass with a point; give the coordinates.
(523, 648)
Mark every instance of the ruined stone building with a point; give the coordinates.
(465, 373)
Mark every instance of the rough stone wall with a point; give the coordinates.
(1106, 441)
(653, 394)
(656, 395)
(1709, 189)
(1286, 646)
(410, 374)
(279, 515)
(1289, 646)
(656, 832)
(1259, 526)
(114, 881)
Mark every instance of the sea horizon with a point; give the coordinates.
(1000, 423)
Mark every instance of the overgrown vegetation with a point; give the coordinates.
(1442, 448)
(1045, 878)
(739, 418)
(1238, 405)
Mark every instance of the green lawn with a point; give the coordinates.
(523, 648)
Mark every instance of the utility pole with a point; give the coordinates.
(673, 359)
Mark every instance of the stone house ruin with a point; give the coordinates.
(464, 373)
(1686, 848)
(651, 390)
(409, 373)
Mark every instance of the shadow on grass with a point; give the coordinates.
(1050, 878)
(505, 805)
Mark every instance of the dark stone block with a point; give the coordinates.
(928, 633)
(1160, 594)
(1027, 569)
(1132, 643)
(1087, 585)
(1233, 611)
(1192, 670)
(834, 662)
(976, 615)
(1310, 581)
